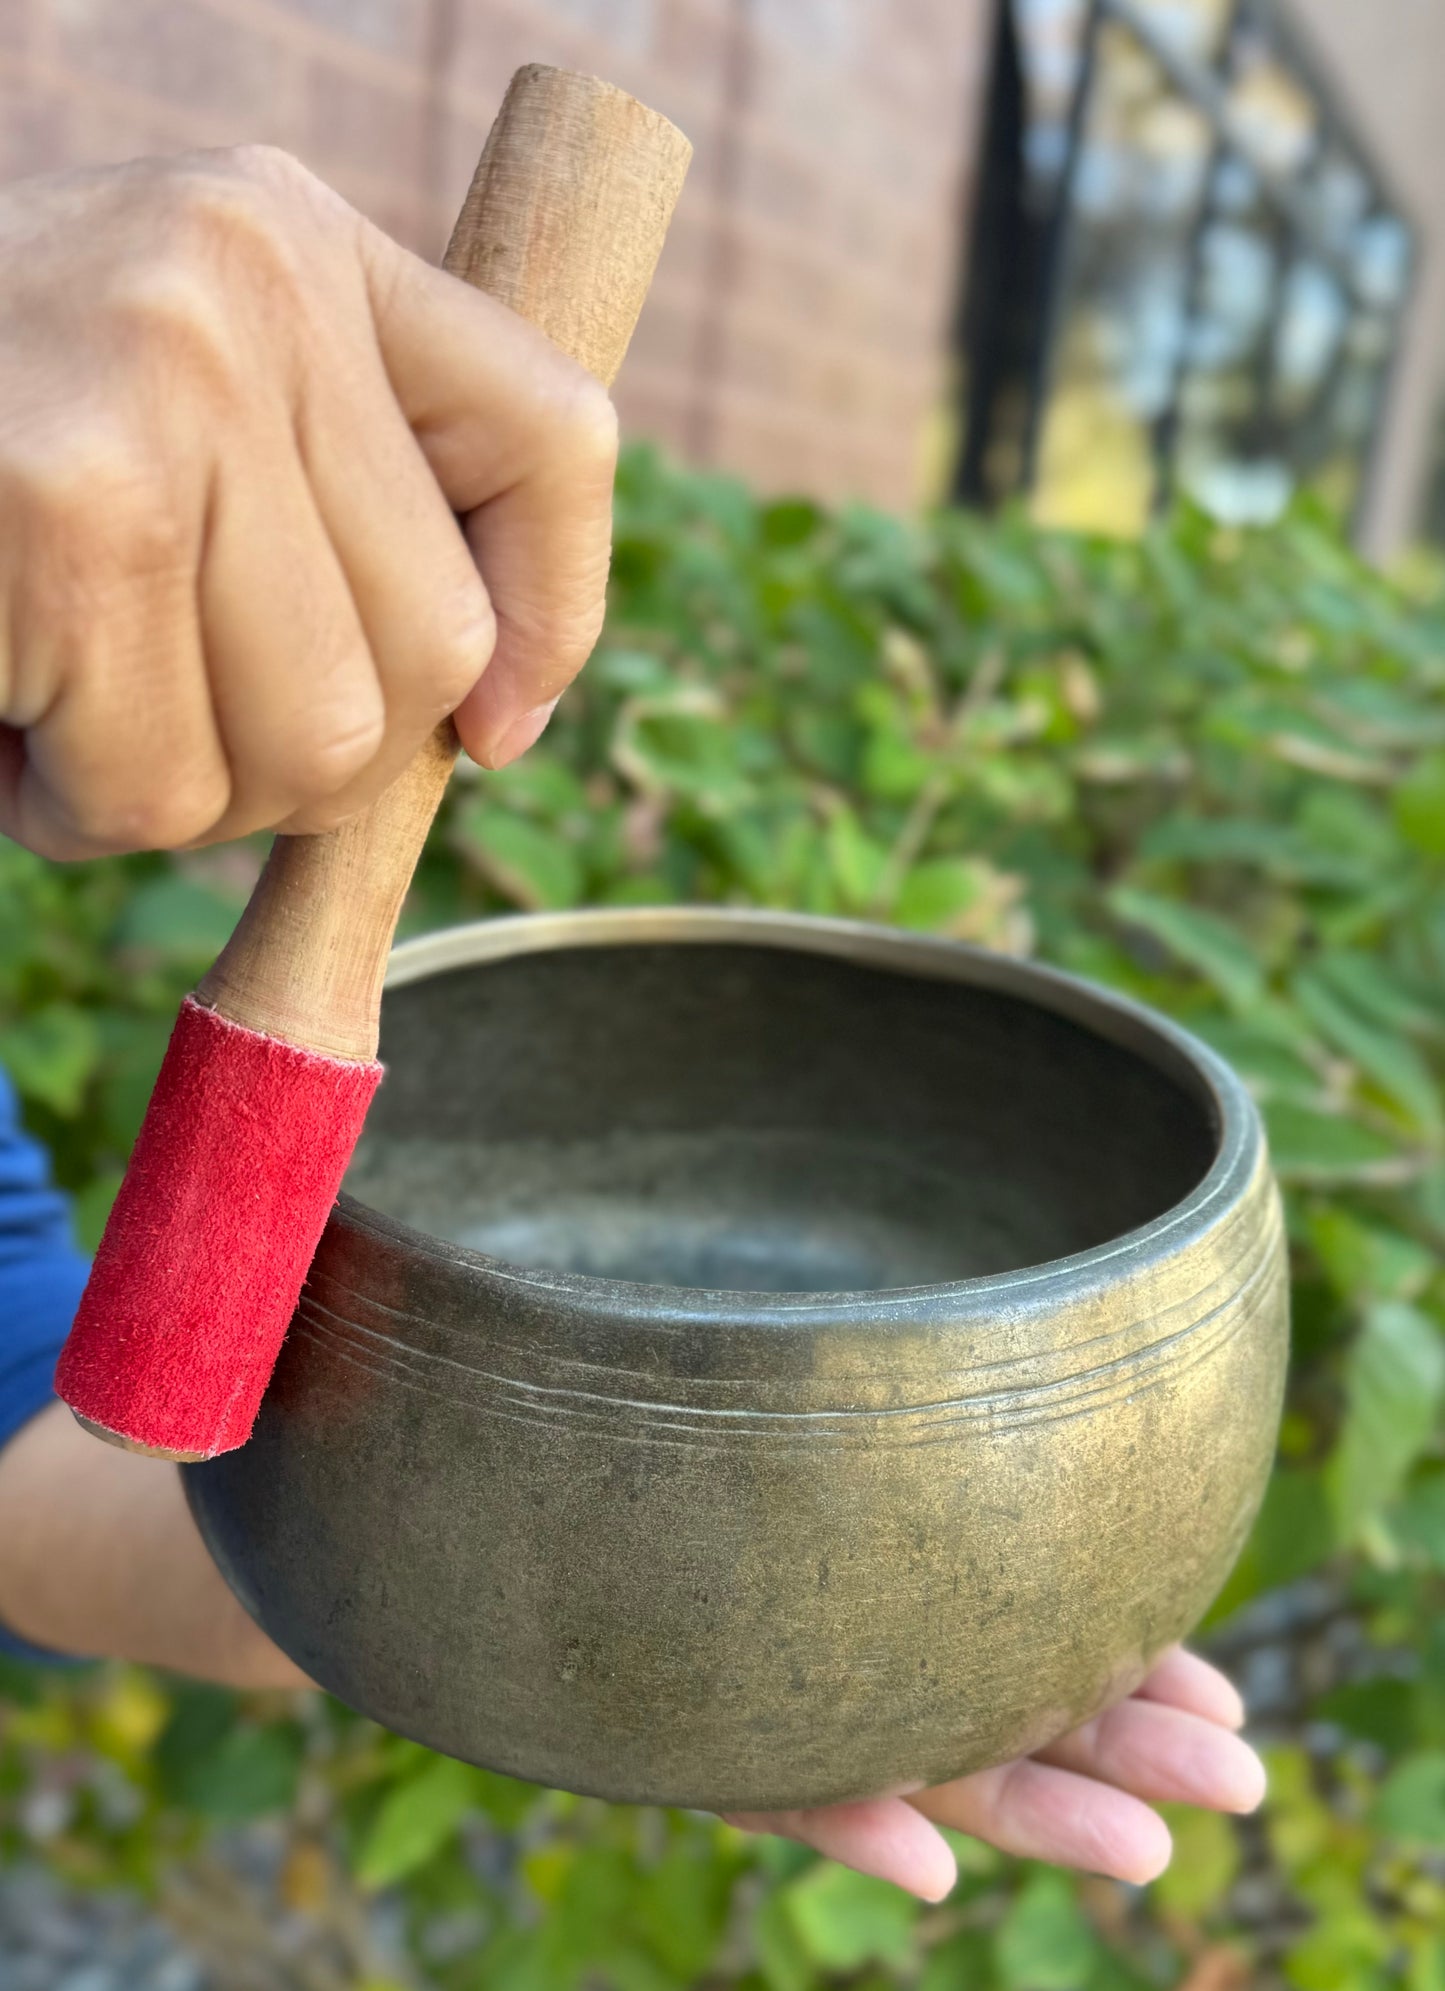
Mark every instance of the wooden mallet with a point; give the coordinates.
(272, 1064)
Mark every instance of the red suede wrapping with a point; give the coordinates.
(237, 1166)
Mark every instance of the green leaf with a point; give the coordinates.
(201, 1718)
(539, 784)
(1419, 1522)
(1248, 840)
(1378, 1711)
(783, 1960)
(90, 1207)
(505, 1800)
(1201, 940)
(226, 1769)
(1419, 805)
(858, 862)
(1411, 1803)
(255, 1771)
(1293, 1533)
(1427, 1965)
(1365, 1260)
(894, 769)
(1391, 1060)
(1270, 1067)
(1310, 1146)
(523, 1959)
(530, 864)
(845, 1919)
(1045, 1942)
(416, 1819)
(935, 893)
(962, 1963)
(1207, 1857)
(1394, 1381)
(1341, 1953)
(1372, 988)
(51, 1056)
(672, 747)
(176, 918)
(628, 671)
(681, 1908)
(789, 521)
(20, 1682)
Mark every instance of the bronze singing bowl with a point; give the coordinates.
(762, 1361)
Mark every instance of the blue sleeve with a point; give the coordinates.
(41, 1277)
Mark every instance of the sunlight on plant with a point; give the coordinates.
(1207, 767)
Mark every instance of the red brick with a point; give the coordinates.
(183, 53)
(32, 130)
(349, 121)
(493, 40)
(823, 33)
(666, 335)
(627, 27)
(789, 281)
(784, 188)
(395, 27)
(689, 251)
(829, 249)
(777, 454)
(693, 39)
(404, 214)
(658, 410)
(99, 131)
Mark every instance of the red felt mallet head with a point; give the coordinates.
(273, 1062)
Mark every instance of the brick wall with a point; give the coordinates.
(796, 330)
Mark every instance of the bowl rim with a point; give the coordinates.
(1240, 1146)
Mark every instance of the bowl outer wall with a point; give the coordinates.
(749, 1552)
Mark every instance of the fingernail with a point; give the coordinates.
(514, 740)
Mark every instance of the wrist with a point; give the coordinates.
(99, 1557)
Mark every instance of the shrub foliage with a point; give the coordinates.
(1208, 768)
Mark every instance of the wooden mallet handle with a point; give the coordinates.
(563, 223)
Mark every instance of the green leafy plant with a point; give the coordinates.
(1207, 767)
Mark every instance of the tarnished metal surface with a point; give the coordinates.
(763, 1361)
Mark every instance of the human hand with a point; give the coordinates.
(99, 1555)
(237, 425)
(1082, 1802)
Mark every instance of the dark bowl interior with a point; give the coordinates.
(753, 1119)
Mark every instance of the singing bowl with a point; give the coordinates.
(762, 1361)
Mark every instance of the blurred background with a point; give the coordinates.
(1104, 251)
(1026, 535)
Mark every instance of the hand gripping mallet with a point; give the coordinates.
(272, 1065)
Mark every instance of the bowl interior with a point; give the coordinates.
(753, 1118)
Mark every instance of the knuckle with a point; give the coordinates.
(183, 816)
(267, 165)
(341, 744)
(95, 515)
(146, 815)
(174, 310)
(573, 423)
(590, 424)
(238, 210)
(462, 649)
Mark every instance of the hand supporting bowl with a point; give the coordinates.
(762, 1361)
